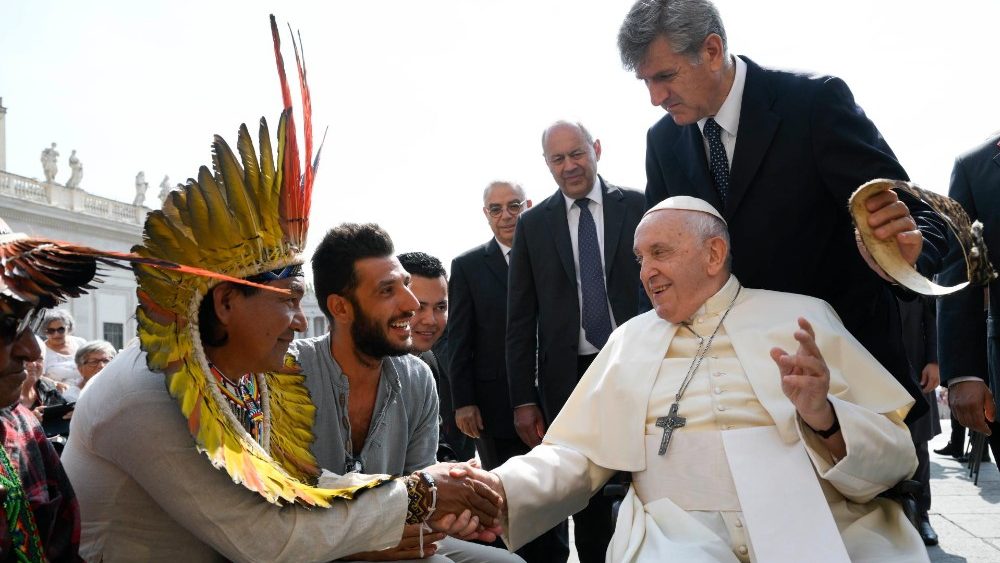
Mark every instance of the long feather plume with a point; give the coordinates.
(46, 272)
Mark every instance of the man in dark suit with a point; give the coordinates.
(920, 341)
(968, 350)
(573, 279)
(477, 329)
(778, 154)
(478, 294)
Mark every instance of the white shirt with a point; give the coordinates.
(728, 116)
(596, 207)
(504, 250)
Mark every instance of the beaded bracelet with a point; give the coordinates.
(421, 491)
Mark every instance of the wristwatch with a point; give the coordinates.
(431, 483)
(833, 429)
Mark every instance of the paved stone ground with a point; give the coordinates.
(966, 517)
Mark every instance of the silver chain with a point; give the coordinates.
(700, 353)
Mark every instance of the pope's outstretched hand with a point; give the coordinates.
(805, 380)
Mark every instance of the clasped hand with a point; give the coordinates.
(466, 508)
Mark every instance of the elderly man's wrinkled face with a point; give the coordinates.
(263, 324)
(675, 265)
(688, 90)
(502, 208)
(571, 159)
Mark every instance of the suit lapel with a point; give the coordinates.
(690, 152)
(495, 261)
(614, 218)
(756, 130)
(555, 209)
(996, 157)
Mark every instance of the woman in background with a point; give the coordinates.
(60, 348)
(92, 357)
(39, 393)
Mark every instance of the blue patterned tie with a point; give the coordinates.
(595, 317)
(718, 163)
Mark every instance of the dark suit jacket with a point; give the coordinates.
(967, 346)
(543, 307)
(919, 318)
(802, 148)
(477, 324)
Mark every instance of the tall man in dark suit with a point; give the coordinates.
(778, 154)
(573, 279)
(969, 350)
(476, 331)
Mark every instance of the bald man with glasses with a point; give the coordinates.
(477, 295)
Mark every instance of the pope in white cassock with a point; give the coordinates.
(739, 450)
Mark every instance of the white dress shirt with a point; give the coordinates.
(504, 250)
(596, 207)
(728, 116)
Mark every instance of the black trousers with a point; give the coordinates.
(923, 475)
(593, 526)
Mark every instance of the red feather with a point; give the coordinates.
(294, 201)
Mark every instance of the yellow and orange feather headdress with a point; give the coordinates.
(246, 216)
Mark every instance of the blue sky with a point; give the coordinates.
(426, 102)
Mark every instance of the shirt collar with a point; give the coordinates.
(389, 375)
(718, 303)
(728, 116)
(504, 249)
(594, 195)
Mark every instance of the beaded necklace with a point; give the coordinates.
(20, 520)
(243, 397)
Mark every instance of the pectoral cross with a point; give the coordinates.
(668, 424)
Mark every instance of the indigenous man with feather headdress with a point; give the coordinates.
(214, 349)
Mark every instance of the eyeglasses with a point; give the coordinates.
(59, 330)
(97, 362)
(21, 318)
(514, 208)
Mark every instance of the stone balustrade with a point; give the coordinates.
(74, 199)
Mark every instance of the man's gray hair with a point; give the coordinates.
(58, 315)
(685, 23)
(706, 226)
(514, 185)
(563, 123)
(94, 346)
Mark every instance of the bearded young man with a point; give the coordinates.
(718, 423)
(376, 404)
